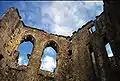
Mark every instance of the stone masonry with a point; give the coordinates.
(81, 57)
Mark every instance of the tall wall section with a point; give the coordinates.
(82, 64)
(86, 44)
(90, 58)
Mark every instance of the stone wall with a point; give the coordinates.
(82, 65)
(81, 57)
(13, 33)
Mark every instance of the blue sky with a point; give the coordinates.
(24, 49)
(109, 50)
(56, 17)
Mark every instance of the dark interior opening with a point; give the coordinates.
(92, 54)
(1, 57)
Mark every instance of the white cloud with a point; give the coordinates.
(57, 16)
(22, 61)
(110, 54)
(49, 51)
(48, 63)
(61, 30)
(66, 17)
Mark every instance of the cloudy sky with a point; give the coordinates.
(56, 17)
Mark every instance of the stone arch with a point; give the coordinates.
(54, 45)
(27, 38)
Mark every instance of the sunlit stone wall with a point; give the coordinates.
(81, 57)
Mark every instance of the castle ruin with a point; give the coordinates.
(81, 57)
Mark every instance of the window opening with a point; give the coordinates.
(109, 50)
(25, 50)
(92, 29)
(48, 60)
(110, 56)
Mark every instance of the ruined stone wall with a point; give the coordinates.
(99, 40)
(85, 43)
(13, 33)
(81, 57)
(82, 64)
(73, 55)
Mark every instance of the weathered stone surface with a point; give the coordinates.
(81, 57)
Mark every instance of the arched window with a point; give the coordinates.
(25, 50)
(48, 61)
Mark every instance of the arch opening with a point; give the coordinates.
(48, 60)
(25, 50)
